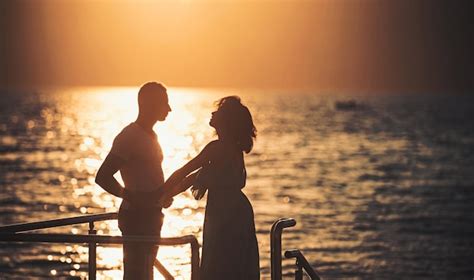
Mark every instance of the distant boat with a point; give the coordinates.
(347, 105)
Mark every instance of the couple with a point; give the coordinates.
(230, 249)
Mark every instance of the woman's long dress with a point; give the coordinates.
(230, 248)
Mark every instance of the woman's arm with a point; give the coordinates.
(180, 180)
(207, 154)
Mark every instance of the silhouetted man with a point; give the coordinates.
(138, 155)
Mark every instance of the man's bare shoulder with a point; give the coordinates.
(127, 130)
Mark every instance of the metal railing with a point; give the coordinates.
(301, 263)
(15, 233)
(275, 245)
(275, 253)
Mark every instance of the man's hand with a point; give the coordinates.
(165, 201)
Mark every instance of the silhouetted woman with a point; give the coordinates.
(230, 249)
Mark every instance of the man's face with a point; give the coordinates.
(162, 108)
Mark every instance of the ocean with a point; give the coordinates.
(381, 185)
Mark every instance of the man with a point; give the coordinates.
(138, 155)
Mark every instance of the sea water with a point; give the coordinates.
(381, 185)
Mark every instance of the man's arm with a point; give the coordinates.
(105, 175)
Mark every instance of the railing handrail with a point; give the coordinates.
(59, 222)
(100, 239)
(282, 223)
(301, 261)
(275, 250)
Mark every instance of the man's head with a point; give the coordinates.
(153, 102)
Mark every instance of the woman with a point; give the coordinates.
(230, 248)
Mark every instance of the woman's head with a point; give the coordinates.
(233, 121)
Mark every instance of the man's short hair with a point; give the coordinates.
(150, 90)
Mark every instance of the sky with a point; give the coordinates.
(341, 45)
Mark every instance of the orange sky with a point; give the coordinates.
(324, 45)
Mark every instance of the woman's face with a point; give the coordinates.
(215, 118)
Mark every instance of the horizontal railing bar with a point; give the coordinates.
(59, 222)
(102, 239)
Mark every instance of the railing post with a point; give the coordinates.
(299, 271)
(92, 254)
(194, 260)
(275, 254)
(275, 245)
